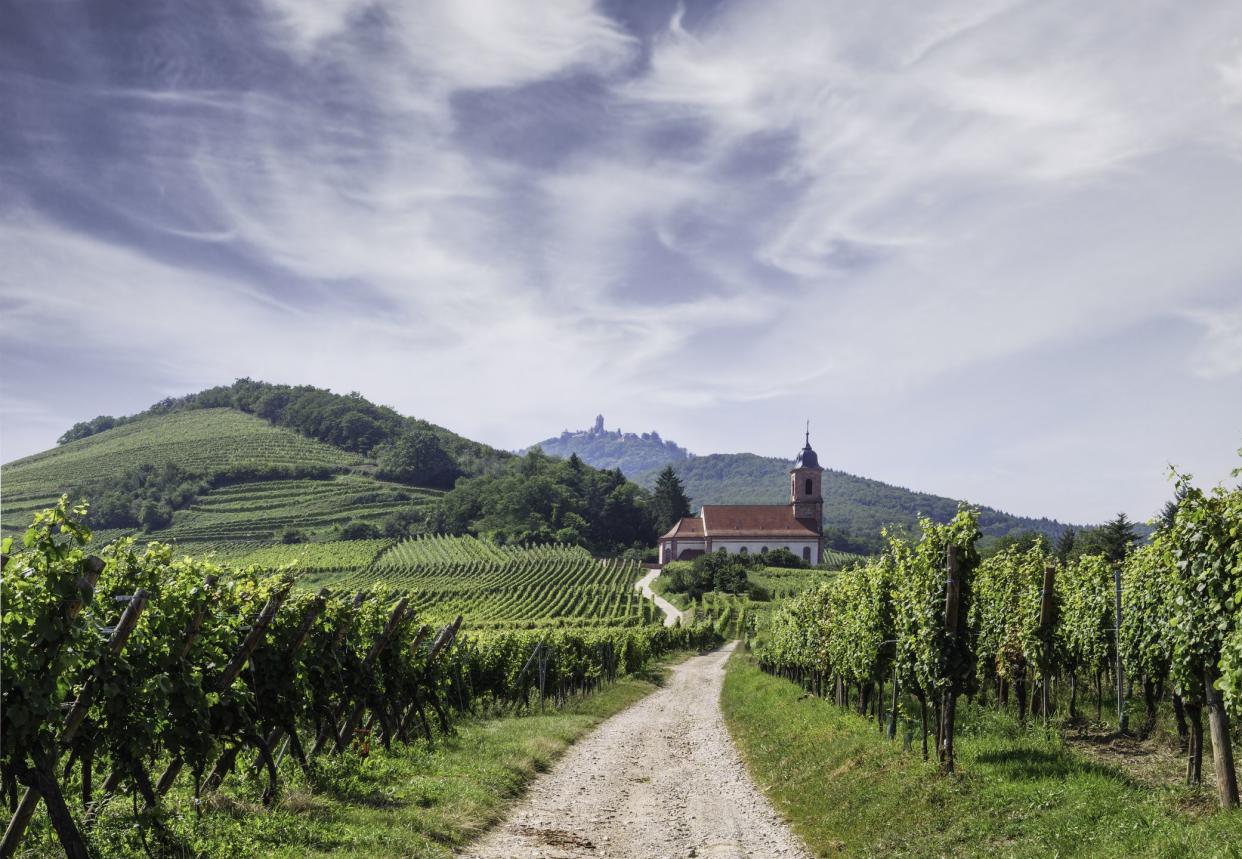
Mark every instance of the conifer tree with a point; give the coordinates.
(1065, 545)
(669, 502)
(1118, 538)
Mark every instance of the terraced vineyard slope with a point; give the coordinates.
(253, 513)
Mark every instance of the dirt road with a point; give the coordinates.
(660, 779)
(671, 612)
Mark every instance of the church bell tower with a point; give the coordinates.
(805, 485)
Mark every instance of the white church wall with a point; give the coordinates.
(754, 547)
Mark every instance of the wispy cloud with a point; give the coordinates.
(713, 219)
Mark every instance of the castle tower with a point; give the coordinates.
(805, 487)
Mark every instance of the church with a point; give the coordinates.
(797, 526)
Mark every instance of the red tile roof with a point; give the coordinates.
(690, 528)
(742, 520)
(754, 520)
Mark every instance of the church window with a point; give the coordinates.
(743, 551)
(808, 486)
(764, 550)
(806, 554)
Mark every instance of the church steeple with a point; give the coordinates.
(805, 486)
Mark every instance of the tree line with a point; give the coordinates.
(539, 499)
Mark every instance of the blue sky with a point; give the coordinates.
(991, 249)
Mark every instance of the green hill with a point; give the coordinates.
(228, 458)
(237, 468)
(855, 508)
(266, 475)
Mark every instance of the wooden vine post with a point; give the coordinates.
(1122, 716)
(368, 664)
(230, 673)
(44, 784)
(1047, 620)
(952, 609)
(441, 645)
(300, 637)
(193, 629)
(1222, 748)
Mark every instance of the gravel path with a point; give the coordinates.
(660, 779)
(671, 613)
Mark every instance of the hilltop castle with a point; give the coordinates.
(797, 526)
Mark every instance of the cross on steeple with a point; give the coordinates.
(808, 432)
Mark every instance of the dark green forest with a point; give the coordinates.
(541, 499)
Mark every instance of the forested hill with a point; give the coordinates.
(603, 448)
(855, 508)
(232, 468)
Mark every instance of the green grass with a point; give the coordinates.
(848, 791)
(679, 600)
(415, 802)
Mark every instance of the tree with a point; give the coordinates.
(669, 503)
(1168, 513)
(417, 458)
(1019, 541)
(1065, 545)
(1118, 538)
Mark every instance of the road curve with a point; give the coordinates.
(661, 779)
(671, 613)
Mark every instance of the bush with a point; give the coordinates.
(293, 535)
(782, 557)
(718, 571)
(359, 531)
(402, 523)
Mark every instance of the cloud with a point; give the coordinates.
(507, 217)
(465, 44)
(1219, 354)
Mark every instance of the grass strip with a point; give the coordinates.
(847, 791)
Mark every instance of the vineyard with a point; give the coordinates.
(201, 442)
(137, 672)
(784, 582)
(260, 512)
(1021, 629)
(507, 586)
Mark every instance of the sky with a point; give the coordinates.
(991, 250)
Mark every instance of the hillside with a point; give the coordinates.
(237, 468)
(251, 481)
(602, 448)
(855, 508)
